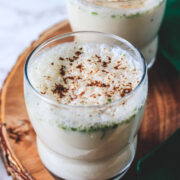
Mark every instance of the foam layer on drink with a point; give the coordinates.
(123, 7)
(85, 74)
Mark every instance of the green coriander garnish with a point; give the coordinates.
(73, 129)
(94, 13)
(109, 100)
(135, 109)
(113, 16)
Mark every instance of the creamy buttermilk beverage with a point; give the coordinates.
(138, 21)
(85, 101)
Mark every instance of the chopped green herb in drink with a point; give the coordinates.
(94, 13)
(109, 100)
(113, 16)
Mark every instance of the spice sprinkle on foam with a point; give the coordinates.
(85, 74)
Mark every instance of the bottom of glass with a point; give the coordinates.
(117, 177)
(149, 52)
(113, 167)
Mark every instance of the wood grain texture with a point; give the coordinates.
(18, 144)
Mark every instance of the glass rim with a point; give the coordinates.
(103, 4)
(65, 35)
(96, 3)
(116, 2)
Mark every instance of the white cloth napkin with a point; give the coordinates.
(21, 22)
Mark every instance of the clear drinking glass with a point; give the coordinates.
(100, 151)
(138, 21)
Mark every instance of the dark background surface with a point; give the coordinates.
(162, 114)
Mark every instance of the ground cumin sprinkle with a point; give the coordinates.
(60, 90)
(86, 74)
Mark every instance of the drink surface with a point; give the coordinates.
(119, 7)
(88, 74)
(85, 74)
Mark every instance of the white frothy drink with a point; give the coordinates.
(87, 113)
(138, 21)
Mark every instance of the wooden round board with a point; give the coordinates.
(18, 140)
